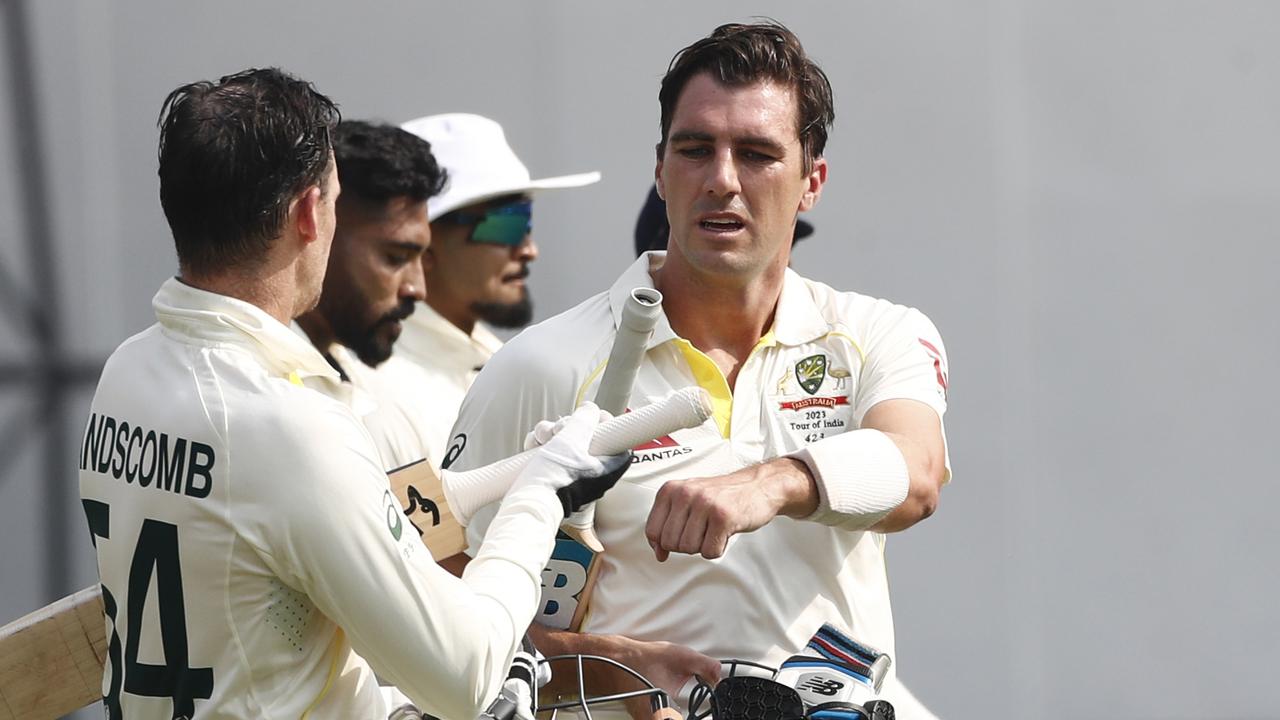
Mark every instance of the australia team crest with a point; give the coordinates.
(811, 371)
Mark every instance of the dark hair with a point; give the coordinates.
(738, 55)
(378, 162)
(233, 155)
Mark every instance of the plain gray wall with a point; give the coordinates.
(1083, 196)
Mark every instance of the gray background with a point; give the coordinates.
(1083, 195)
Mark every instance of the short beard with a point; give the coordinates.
(505, 315)
(367, 345)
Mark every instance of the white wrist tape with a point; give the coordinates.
(861, 476)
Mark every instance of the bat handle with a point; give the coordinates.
(640, 315)
(581, 526)
(468, 491)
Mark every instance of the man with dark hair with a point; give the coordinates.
(220, 221)
(374, 281)
(253, 558)
(760, 534)
(481, 248)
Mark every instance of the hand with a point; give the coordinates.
(544, 430)
(666, 665)
(699, 515)
(565, 465)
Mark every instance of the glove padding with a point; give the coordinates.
(565, 463)
(587, 489)
(583, 515)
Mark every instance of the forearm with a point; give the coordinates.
(508, 564)
(447, 642)
(552, 642)
(789, 485)
(668, 666)
(871, 479)
(924, 480)
(860, 476)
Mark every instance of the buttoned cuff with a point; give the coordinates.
(861, 477)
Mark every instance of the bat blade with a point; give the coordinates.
(418, 487)
(51, 660)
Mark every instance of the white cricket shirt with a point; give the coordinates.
(396, 402)
(830, 357)
(254, 561)
(450, 359)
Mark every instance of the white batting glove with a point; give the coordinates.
(565, 465)
(544, 430)
(582, 520)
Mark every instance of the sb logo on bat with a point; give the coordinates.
(563, 580)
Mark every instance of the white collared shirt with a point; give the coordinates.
(396, 402)
(450, 359)
(829, 358)
(248, 540)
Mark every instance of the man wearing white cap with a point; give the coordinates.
(481, 247)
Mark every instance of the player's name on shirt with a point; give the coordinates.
(139, 455)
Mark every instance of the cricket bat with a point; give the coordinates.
(570, 575)
(51, 660)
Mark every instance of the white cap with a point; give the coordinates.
(481, 165)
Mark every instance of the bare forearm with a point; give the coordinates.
(563, 642)
(792, 486)
(552, 642)
(666, 665)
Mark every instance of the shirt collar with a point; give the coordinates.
(796, 321)
(432, 336)
(352, 391)
(186, 310)
(638, 275)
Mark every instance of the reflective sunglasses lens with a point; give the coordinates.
(506, 225)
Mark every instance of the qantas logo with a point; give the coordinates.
(662, 448)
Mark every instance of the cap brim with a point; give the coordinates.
(449, 204)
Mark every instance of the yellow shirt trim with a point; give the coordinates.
(861, 355)
(338, 639)
(708, 375)
(590, 379)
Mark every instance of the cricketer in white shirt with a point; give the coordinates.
(449, 359)
(829, 358)
(254, 562)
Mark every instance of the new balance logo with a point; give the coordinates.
(821, 686)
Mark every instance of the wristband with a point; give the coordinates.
(861, 477)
